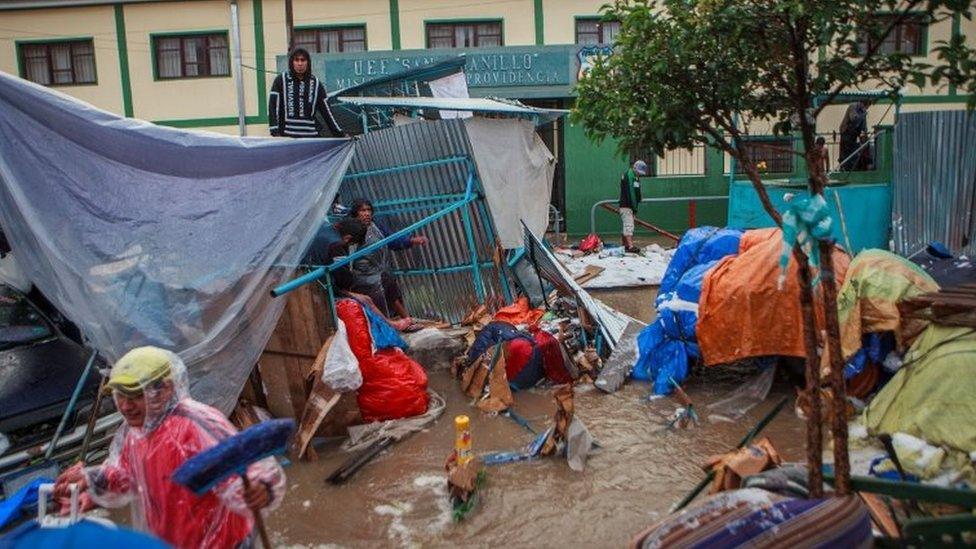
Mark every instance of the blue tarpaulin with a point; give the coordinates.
(145, 235)
(667, 345)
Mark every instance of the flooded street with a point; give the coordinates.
(400, 499)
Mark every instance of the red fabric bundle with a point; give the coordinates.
(552, 358)
(394, 386)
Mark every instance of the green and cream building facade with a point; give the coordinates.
(169, 62)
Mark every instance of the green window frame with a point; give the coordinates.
(334, 38)
(172, 59)
(910, 37)
(60, 62)
(595, 30)
(473, 33)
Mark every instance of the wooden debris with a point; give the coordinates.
(563, 395)
(954, 306)
(644, 224)
(588, 274)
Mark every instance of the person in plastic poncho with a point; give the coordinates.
(163, 428)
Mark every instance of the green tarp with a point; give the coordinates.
(932, 396)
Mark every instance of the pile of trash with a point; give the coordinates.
(613, 267)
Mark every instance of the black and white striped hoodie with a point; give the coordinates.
(293, 103)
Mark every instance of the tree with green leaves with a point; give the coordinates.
(688, 72)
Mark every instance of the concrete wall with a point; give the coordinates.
(375, 14)
(518, 24)
(95, 22)
(560, 18)
(180, 99)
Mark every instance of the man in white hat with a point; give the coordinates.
(630, 197)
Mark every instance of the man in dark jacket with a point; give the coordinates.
(296, 96)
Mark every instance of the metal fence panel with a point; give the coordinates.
(437, 280)
(934, 182)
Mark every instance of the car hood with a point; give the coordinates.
(40, 375)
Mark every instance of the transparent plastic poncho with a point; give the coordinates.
(142, 459)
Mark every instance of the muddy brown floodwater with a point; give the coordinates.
(400, 499)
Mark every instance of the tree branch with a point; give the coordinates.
(869, 54)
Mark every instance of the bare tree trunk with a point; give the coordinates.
(814, 423)
(842, 466)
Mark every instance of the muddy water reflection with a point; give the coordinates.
(399, 499)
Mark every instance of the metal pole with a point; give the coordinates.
(321, 271)
(648, 200)
(289, 24)
(71, 405)
(238, 68)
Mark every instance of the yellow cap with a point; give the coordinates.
(138, 368)
(461, 423)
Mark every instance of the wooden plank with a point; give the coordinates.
(880, 515)
(284, 383)
(588, 274)
(304, 324)
(643, 223)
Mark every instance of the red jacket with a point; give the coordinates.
(139, 469)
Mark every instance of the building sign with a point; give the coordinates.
(586, 57)
(509, 67)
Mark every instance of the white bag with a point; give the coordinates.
(341, 369)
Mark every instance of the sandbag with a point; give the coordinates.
(394, 387)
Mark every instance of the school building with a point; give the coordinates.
(170, 62)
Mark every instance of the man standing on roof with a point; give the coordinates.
(296, 96)
(630, 197)
(164, 428)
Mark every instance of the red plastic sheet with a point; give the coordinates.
(394, 386)
(552, 358)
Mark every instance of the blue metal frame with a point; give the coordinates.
(447, 204)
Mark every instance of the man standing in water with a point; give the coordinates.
(296, 96)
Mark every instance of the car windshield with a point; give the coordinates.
(20, 322)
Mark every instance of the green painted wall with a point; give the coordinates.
(593, 173)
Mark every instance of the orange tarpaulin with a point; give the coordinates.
(519, 313)
(742, 312)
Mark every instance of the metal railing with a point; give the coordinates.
(690, 199)
(680, 162)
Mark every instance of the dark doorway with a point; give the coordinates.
(552, 136)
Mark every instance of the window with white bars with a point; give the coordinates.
(477, 34)
(593, 30)
(61, 63)
(191, 56)
(351, 38)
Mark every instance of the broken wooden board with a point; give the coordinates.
(291, 351)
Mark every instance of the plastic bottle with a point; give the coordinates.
(462, 439)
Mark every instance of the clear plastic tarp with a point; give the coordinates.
(145, 235)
